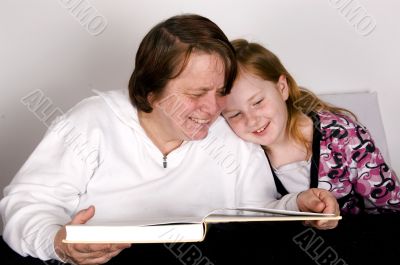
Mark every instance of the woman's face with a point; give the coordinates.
(256, 109)
(191, 102)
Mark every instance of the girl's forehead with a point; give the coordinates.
(249, 83)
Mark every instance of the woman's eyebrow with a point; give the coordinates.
(228, 111)
(205, 89)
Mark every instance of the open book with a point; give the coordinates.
(185, 229)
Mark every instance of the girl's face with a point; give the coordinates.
(256, 109)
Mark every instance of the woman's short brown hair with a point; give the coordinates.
(165, 50)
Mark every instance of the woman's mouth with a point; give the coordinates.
(200, 121)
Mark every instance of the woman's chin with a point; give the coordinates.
(198, 134)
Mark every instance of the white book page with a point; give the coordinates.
(226, 213)
(263, 214)
(149, 221)
(246, 210)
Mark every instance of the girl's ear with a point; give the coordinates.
(283, 87)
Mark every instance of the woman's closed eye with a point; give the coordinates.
(197, 95)
(221, 92)
(234, 115)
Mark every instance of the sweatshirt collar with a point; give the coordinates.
(119, 103)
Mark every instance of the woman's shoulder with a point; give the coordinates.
(86, 110)
(221, 131)
(90, 112)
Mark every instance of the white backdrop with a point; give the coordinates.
(58, 50)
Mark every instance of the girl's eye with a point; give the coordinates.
(258, 102)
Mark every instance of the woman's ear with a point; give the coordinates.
(283, 87)
(151, 98)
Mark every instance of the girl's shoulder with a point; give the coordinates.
(328, 119)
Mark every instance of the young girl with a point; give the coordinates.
(308, 142)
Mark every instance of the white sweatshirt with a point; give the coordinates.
(98, 154)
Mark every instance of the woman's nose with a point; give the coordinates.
(213, 103)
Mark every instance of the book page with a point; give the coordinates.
(246, 210)
(219, 215)
(263, 214)
(149, 221)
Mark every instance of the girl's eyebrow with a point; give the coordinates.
(249, 100)
(252, 97)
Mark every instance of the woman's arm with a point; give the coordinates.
(45, 193)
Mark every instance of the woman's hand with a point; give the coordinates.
(85, 253)
(319, 201)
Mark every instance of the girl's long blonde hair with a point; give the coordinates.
(255, 59)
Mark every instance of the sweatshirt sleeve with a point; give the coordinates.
(45, 193)
(372, 178)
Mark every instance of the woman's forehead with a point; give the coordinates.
(203, 71)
